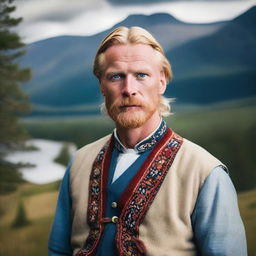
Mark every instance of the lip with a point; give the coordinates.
(130, 106)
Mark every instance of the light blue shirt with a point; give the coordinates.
(216, 221)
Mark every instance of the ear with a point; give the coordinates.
(163, 83)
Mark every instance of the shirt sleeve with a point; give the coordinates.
(59, 239)
(218, 228)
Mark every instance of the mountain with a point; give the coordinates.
(204, 57)
(217, 67)
(61, 69)
(62, 66)
(169, 31)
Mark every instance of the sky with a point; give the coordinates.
(50, 18)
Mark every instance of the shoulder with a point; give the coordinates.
(198, 156)
(216, 220)
(194, 150)
(194, 163)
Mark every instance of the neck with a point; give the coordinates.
(132, 136)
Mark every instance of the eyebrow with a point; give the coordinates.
(114, 70)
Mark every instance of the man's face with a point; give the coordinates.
(132, 83)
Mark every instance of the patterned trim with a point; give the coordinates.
(152, 140)
(148, 143)
(97, 199)
(136, 199)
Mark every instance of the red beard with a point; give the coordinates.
(130, 112)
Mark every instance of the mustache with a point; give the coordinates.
(129, 102)
(119, 105)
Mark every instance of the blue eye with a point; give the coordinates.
(115, 76)
(141, 75)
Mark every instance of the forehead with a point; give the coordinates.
(131, 54)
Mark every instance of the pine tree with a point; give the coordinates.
(13, 102)
(21, 217)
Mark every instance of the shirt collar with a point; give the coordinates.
(146, 144)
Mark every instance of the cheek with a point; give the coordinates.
(110, 92)
(110, 95)
(106, 89)
(153, 93)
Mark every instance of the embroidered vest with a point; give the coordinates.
(135, 200)
(137, 230)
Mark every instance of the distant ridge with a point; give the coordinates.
(247, 18)
(211, 62)
(148, 20)
(220, 66)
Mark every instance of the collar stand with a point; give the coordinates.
(147, 143)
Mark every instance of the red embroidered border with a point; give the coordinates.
(140, 194)
(135, 201)
(97, 199)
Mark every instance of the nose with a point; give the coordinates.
(129, 87)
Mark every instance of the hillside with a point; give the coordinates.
(62, 66)
(169, 31)
(218, 67)
(211, 63)
(39, 203)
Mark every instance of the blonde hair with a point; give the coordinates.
(134, 35)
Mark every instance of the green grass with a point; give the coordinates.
(32, 189)
(228, 133)
(39, 206)
(77, 130)
(247, 203)
(31, 240)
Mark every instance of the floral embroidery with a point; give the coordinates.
(151, 141)
(136, 202)
(142, 197)
(147, 143)
(94, 211)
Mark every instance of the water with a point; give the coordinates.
(45, 170)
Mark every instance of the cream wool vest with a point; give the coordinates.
(166, 229)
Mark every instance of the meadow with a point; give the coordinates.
(39, 204)
(228, 133)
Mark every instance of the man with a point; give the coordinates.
(144, 190)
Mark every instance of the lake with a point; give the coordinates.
(45, 169)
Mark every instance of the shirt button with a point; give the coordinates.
(114, 205)
(114, 219)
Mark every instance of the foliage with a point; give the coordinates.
(9, 177)
(13, 102)
(21, 217)
(64, 155)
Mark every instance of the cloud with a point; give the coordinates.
(49, 18)
(54, 10)
(128, 2)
